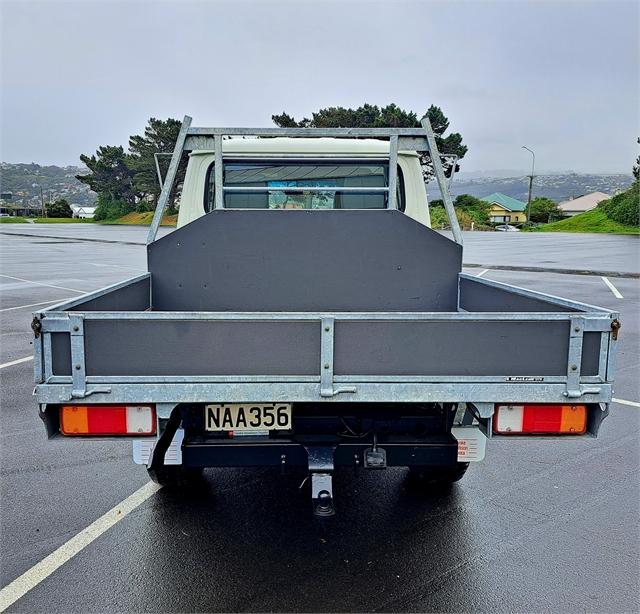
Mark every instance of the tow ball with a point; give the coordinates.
(321, 471)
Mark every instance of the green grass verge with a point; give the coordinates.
(591, 221)
(12, 220)
(44, 220)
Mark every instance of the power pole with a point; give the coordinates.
(533, 164)
(37, 185)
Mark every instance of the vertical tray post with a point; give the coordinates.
(326, 357)
(393, 171)
(574, 358)
(78, 365)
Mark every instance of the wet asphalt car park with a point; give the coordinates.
(538, 526)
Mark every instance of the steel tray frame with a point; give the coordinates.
(131, 300)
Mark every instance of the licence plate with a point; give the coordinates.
(247, 417)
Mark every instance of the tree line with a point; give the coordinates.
(126, 181)
(450, 147)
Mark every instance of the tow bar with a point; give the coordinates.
(321, 469)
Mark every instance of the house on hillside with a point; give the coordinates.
(573, 206)
(506, 210)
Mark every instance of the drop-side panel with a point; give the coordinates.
(461, 348)
(394, 348)
(199, 347)
(475, 296)
(131, 297)
(243, 260)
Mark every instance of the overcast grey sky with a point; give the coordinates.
(559, 77)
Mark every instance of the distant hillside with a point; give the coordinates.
(557, 187)
(56, 181)
(60, 182)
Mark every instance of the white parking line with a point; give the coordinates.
(42, 570)
(16, 362)
(611, 287)
(119, 266)
(623, 402)
(481, 273)
(39, 283)
(56, 300)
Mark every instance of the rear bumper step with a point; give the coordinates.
(438, 450)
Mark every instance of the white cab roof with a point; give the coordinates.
(282, 145)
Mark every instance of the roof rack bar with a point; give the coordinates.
(309, 132)
(405, 143)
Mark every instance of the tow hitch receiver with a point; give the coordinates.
(321, 469)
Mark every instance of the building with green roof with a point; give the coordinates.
(506, 209)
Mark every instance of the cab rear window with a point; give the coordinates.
(303, 184)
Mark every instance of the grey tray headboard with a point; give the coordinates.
(253, 260)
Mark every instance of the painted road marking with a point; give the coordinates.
(16, 362)
(481, 273)
(42, 570)
(56, 300)
(623, 402)
(611, 287)
(39, 283)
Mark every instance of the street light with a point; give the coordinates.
(533, 165)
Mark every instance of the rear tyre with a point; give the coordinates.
(438, 477)
(176, 476)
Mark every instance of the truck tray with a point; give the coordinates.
(318, 306)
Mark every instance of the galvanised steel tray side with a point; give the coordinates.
(481, 356)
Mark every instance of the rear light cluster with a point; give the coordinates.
(540, 419)
(108, 420)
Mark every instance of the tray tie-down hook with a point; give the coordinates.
(615, 327)
(36, 326)
(321, 470)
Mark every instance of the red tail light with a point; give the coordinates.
(108, 420)
(540, 419)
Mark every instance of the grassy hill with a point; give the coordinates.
(592, 221)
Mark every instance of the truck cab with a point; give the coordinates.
(273, 167)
